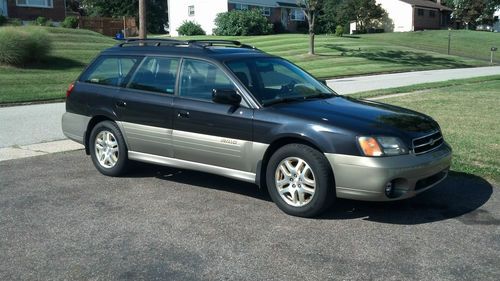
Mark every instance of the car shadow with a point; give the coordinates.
(460, 196)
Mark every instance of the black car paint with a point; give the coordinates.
(331, 124)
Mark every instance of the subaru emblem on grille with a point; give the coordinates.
(432, 142)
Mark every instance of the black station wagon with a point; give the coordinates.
(227, 108)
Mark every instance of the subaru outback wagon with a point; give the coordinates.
(229, 109)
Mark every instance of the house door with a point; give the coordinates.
(3, 7)
(284, 17)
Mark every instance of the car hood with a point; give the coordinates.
(362, 117)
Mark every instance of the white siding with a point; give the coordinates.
(400, 13)
(496, 25)
(205, 12)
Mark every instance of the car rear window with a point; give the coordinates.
(110, 71)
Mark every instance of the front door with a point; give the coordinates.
(206, 132)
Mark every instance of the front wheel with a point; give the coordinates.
(107, 149)
(300, 180)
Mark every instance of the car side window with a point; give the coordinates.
(156, 74)
(110, 71)
(199, 79)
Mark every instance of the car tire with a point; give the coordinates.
(300, 180)
(108, 149)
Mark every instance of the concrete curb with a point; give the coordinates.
(24, 151)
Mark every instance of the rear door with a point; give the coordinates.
(206, 132)
(144, 106)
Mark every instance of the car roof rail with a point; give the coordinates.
(154, 42)
(204, 43)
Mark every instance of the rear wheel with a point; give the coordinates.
(300, 181)
(107, 149)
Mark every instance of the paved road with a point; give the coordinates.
(61, 220)
(40, 123)
(29, 124)
(352, 85)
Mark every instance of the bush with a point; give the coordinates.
(3, 20)
(19, 46)
(15, 22)
(41, 21)
(339, 31)
(190, 28)
(70, 22)
(278, 27)
(242, 23)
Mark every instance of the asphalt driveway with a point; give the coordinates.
(61, 220)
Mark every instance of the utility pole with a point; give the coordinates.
(449, 41)
(142, 19)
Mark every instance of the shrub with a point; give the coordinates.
(15, 22)
(70, 22)
(41, 21)
(3, 20)
(242, 23)
(339, 31)
(190, 28)
(19, 46)
(278, 27)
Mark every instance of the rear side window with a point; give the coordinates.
(199, 79)
(156, 75)
(110, 71)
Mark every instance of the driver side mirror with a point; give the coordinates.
(226, 96)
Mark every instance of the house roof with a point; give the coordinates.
(427, 4)
(266, 3)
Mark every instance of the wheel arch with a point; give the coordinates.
(273, 147)
(92, 123)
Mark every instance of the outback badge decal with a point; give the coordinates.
(229, 141)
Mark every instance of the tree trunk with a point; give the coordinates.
(142, 19)
(311, 43)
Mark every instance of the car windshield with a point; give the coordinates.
(274, 80)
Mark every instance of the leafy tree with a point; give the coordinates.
(156, 11)
(363, 12)
(242, 23)
(330, 17)
(311, 10)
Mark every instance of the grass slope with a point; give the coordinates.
(72, 50)
(464, 43)
(468, 115)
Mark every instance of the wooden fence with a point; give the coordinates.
(109, 26)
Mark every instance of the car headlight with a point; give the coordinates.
(382, 146)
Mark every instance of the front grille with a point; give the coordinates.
(427, 143)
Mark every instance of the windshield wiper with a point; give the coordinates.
(319, 96)
(283, 100)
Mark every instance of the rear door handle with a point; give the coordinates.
(121, 104)
(183, 114)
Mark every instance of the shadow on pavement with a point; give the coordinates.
(460, 196)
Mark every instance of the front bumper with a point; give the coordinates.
(365, 178)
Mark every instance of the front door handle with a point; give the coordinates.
(183, 114)
(121, 104)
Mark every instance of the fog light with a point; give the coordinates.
(388, 189)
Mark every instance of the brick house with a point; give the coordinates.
(204, 12)
(28, 10)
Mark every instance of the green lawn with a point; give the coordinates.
(73, 49)
(464, 43)
(469, 116)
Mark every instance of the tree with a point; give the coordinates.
(156, 11)
(311, 9)
(142, 19)
(363, 12)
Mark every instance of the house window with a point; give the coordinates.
(35, 3)
(266, 11)
(297, 15)
(191, 11)
(432, 14)
(420, 12)
(241, 7)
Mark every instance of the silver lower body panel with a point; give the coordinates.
(74, 126)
